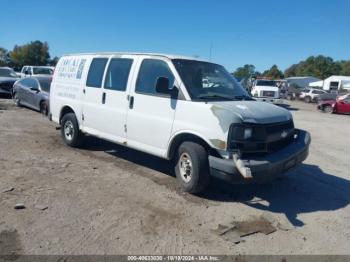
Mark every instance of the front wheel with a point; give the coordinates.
(308, 99)
(192, 167)
(44, 108)
(16, 100)
(70, 132)
(327, 109)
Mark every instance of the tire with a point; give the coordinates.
(70, 132)
(16, 100)
(192, 167)
(307, 99)
(43, 108)
(327, 109)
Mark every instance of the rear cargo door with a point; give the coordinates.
(114, 105)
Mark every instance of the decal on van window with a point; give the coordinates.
(80, 68)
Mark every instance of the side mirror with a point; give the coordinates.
(35, 89)
(162, 85)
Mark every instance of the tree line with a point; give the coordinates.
(32, 53)
(317, 66)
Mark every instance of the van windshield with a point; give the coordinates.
(208, 81)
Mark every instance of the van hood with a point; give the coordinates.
(249, 112)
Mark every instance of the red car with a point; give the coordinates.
(340, 105)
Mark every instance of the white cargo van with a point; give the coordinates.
(191, 111)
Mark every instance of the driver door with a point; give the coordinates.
(150, 114)
(31, 94)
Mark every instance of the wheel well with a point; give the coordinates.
(65, 110)
(41, 102)
(179, 139)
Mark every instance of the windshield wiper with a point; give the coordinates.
(215, 96)
(243, 97)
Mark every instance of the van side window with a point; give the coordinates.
(118, 74)
(96, 70)
(149, 72)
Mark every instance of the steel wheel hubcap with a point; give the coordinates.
(186, 167)
(68, 130)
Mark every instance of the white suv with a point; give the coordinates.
(311, 94)
(191, 111)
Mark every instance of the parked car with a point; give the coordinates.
(33, 92)
(267, 91)
(162, 105)
(293, 91)
(36, 70)
(310, 94)
(330, 95)
(339, 105)
(7, 78)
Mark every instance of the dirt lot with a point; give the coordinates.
(105, 199)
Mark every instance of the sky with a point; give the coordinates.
(235, 33)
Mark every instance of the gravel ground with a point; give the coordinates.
(106, 199)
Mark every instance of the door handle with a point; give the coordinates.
(131, 102)
(103, 98)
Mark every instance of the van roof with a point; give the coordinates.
(170, 56)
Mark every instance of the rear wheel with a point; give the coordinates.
(192, 167)
(308, 99)
(70, 132)
(327, 109)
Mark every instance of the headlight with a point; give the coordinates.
(240, 132)
(248, 132)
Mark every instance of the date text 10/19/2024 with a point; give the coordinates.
(173, 258)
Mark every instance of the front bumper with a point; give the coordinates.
(272, 100)
(266, 167)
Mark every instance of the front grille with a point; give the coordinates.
(265, 139)
(279, 144)
(268, 93)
